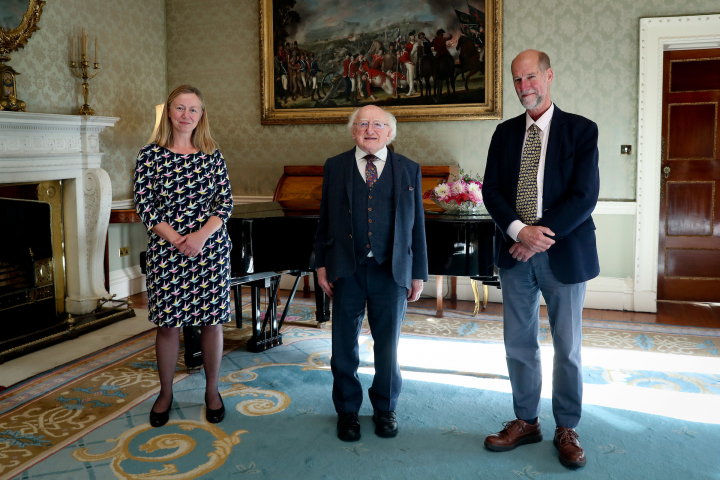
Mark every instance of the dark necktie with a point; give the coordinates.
(526, 203)
(371, 175)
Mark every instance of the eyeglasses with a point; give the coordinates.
(376, 125)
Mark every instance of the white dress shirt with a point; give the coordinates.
(379, 163)
(543, 124)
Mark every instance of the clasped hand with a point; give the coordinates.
(191, 244)
(532, 240)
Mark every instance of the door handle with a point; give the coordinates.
(666, 174)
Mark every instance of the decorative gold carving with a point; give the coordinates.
(51, 192)
(11, 40)
(476, 294)
(43, 272)
(490, 110)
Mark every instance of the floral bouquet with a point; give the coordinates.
(463, 196)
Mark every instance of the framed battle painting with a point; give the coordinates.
(423, 60)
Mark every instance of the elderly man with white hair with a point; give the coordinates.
(370, 254)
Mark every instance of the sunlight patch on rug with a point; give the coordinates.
(674, 386)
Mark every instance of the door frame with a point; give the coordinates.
(657, 35)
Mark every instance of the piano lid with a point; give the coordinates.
(300, 187)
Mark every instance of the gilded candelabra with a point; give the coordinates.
(81, 71)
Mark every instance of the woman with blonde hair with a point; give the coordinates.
(182, 195)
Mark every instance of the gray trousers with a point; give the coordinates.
(521, 289)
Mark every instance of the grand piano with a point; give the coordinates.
(276, 238)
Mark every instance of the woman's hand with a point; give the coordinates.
(192, 244)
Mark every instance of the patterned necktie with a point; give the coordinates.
(526, 202)
(371, 175)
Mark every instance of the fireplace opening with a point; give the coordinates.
(27, 278)
(32, 273)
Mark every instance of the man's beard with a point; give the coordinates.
(531, 104)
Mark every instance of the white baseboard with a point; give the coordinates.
(127, 281)
(615, 208)
(604, 293)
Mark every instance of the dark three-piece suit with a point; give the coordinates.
(386, 219)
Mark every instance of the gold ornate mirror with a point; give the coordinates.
(18, 21)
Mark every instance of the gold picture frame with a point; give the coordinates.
(16, 26)
(277, 109)
(14, 38)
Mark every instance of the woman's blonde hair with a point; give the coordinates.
(201, 138)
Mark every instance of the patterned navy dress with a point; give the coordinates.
(185, 191)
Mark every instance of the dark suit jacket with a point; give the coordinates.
(334, 248)
(570, 192)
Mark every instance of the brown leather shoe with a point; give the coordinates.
(515, 433)
(571, 453)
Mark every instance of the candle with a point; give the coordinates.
(96, 45)
(82, 43)
(73, 49)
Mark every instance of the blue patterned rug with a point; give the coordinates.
(647, 414)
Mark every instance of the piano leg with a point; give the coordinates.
(453, 289)
(485, 296)
(439, 281)
(237, 292)
(322, 303)
(193, 353)
(302, 275)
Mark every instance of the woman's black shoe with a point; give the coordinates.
(215, 416)
(160, 419)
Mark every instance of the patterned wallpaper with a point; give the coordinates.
(593, 46)
(131, 80)
(214, 45)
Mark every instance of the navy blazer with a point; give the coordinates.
(334, 247)
(570, 192)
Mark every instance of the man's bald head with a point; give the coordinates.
(542, 58)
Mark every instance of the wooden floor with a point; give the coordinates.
(682, 314)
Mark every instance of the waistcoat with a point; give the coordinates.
(373, 213)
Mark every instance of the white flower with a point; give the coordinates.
(458, 188)
(442, 190)
(475, 192)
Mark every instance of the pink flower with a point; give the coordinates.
(457, 188)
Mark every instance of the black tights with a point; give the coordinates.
(167, 348)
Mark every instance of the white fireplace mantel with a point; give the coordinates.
(38, 147)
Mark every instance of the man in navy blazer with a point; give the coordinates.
(370, 253)
(541, 185)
